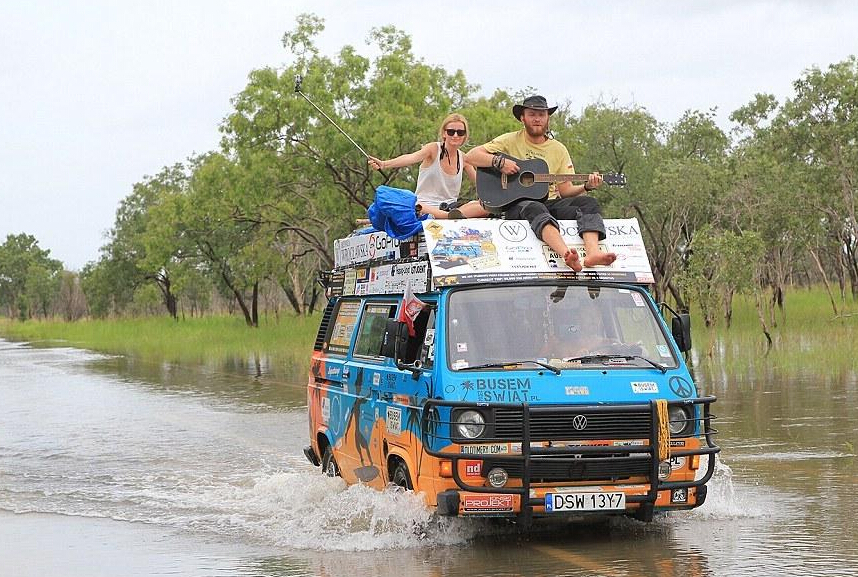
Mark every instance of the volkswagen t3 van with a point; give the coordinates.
(512, 386)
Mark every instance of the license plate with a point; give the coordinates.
(555, 502)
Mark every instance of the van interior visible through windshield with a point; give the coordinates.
(552, 323)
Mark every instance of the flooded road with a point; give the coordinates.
(114, 466)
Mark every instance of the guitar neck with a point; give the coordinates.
(578, 178)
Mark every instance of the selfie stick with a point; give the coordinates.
(298, 80)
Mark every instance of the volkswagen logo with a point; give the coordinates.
(579, 423)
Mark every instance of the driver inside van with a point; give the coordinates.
(582, 332)
(583, 335)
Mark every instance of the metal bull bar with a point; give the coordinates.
(532, 460)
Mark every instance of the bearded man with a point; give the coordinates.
(565, 201)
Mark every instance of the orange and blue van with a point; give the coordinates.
(508, 385)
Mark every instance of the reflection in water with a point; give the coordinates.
(790, 439)
(212, 453)
(257, 380)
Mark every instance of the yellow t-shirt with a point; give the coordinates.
(515, 144)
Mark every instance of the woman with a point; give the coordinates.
(441, 167)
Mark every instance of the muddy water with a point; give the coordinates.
(111, 466)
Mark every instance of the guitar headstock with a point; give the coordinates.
(614, 179)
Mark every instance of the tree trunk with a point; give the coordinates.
(313, 299)
(239, 298)
(760, 302)
(169, 299)
(172, 305)
(824, 280)
(290, 296)
(241, 304)
(677, 297)
(728, 307)
(254, 305)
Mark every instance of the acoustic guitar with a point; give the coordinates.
(497, 190)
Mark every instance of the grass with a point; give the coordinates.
(190, 340)
(807, 336)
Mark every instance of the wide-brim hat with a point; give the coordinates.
(535, 102)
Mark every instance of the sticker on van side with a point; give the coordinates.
(394, 421)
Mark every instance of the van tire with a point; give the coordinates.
(329, 464)
(400, 476)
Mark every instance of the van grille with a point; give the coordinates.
(551, 469)
(558, 425)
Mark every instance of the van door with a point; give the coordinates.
(401, 393)
(365, 371)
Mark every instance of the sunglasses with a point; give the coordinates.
(456, 131)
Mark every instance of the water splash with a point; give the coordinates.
(306, 510)
(723, 501)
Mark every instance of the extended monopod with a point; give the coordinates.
(298, 81)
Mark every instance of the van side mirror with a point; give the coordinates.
(395, 339)
(680, 327)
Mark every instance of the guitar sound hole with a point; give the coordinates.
(526, 179)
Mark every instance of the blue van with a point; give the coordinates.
(509, 386)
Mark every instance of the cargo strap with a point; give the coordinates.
(663, 430)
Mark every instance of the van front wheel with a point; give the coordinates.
(400, 476)
(329, 464)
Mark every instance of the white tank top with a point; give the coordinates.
(435, 186)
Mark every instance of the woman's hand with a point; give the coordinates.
(375, 163)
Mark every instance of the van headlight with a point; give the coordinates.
(680, 420)
(470, 424)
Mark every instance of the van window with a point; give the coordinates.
(421, 347)
(499, 324)
(372, 326)
(344, 326)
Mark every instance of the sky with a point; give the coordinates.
(96, 95)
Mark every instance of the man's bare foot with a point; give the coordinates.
(600, 258)
(572, 259)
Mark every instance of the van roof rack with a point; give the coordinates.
(477, 250)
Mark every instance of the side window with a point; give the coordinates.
(344, 326)
(422, 345)
(372, 326)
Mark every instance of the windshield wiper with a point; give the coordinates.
(603, 357)
(494, 365)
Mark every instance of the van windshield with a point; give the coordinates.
(565, 326)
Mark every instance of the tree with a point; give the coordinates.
(29, 278)
(125, 263)
(106, 285)
(819, 128)
(720, 265)
(70, 301)
(767, 196)
(201, 227)
(285, 182)
(309, 182)
(42, 286)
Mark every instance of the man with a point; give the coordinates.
(566, 201)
